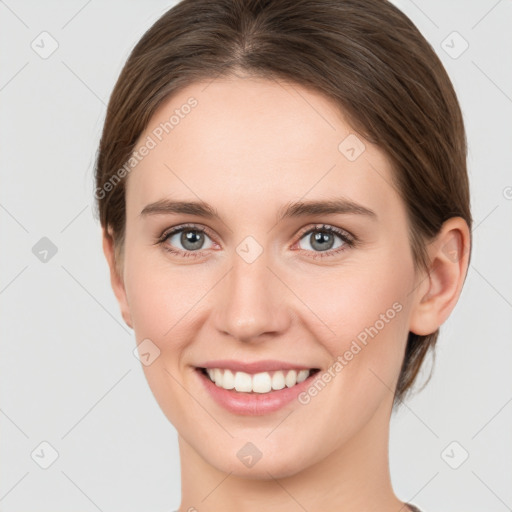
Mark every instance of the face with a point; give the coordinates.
(265, 277)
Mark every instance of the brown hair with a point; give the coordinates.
(366, 55)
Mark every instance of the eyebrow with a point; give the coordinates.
(289, 210)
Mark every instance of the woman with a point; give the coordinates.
(283, 193)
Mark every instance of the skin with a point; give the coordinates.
(249, 147)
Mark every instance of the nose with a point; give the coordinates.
(250, 305)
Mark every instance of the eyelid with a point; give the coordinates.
(343, 233)
(182, 227)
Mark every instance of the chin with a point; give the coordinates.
(262, 460)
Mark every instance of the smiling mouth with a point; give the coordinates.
(263, 382)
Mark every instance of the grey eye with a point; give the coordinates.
(322, 240)
(190, 239)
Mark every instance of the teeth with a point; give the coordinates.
(243, 382)
(218, 376)
(302, 375)
(291, 378)
(263, 382)
(278, 380)
(228, 381)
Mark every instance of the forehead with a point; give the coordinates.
(257, 143)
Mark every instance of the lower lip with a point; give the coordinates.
(253, 404)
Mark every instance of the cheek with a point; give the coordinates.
(163, 302)
(337, 305)
(158, 305)
(161, 296)
(349, 301)
(357, 311)
(360, 316)
(368, 314)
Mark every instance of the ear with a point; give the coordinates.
(437, 292)
(116, 280)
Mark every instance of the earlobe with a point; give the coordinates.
(116, 280)
(438, 291)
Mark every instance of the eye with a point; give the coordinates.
(189, 240)
(186, 240)
(322, 240)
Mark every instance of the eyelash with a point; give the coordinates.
(348, 239)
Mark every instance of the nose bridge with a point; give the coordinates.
(249, 301)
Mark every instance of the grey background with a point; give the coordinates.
(68, 374)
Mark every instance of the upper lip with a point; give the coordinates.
(254, 367)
